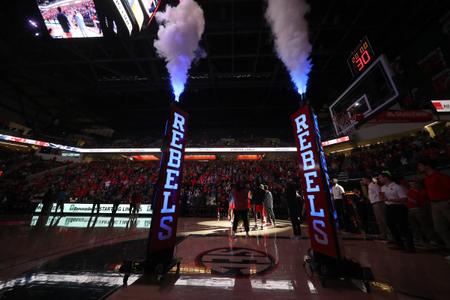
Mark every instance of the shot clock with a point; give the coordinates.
(361, 57)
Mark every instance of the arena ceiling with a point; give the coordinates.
(120, 83)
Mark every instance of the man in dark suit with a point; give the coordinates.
(257, 204)
(64, 22)
(295, 206)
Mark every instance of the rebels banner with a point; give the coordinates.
(315, 182)
(165, 203)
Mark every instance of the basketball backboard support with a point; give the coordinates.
(372, 92)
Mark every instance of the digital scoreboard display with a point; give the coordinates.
(361, 57)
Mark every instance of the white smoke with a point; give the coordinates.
(180, 30)
(290, 30)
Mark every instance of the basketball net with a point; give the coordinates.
(345, 124)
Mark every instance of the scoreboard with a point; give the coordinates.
(361, 57)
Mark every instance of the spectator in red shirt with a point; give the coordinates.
(419, 214)
(437, 186)
(417, 196)
(240, 195)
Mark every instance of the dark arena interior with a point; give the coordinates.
(226, 149)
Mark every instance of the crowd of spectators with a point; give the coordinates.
(207, 187)
(408, 213)
(207, 184)
(400, 155)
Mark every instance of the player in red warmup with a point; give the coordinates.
(437, 186)
(240, 194)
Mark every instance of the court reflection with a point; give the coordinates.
(88, 274)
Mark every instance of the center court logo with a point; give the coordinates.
(236, 261)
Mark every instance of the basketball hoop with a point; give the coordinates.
(345, 122)
(369, 94)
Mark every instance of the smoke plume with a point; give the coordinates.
(180, 30)
(290, 30)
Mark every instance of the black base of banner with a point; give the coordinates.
(162, 238)
(330, 270)
(157, 270)
(152, 272)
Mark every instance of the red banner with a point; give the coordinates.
(402, 116)
(165, 205)
(315, 182)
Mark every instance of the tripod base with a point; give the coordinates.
(330, 270)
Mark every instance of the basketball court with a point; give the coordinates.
(84, 262)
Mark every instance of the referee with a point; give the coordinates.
(395, 198)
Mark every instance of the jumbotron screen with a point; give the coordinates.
(70, 18)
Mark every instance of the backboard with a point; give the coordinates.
(372, 92)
